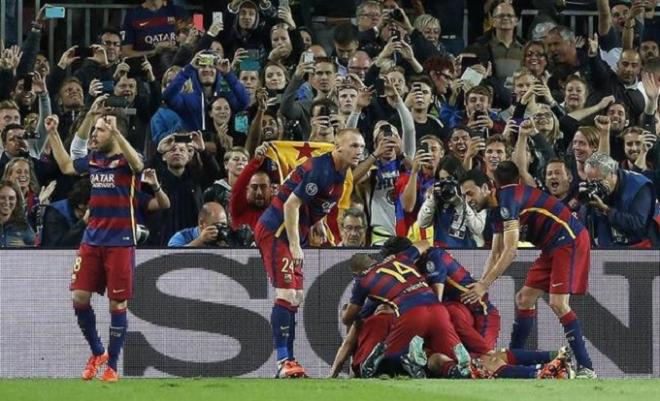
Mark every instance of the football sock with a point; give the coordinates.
(292, 334)
(118, 325)
(280, 320)
(522, 327)
(516, 372)
(87, 324)
(573, 334)
(525, 357)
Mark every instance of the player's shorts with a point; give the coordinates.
(563, 270)
(374, 330)
(477, 332)
(275, 253)
(431, 322)
(98, 267)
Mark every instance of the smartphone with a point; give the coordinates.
(27, 82)
(253, 54)
(323, 111)
(379, 86)
(250, 65)
(472, 76)
(468, 61)
(386, 129)
(108, 86)
(394, 33)
(54, 12)
(84, 52)
(217, 16)
(118, 102)
(284, 4)
(182, 138)
(135, 67)
(198, 21)
(241, 123)
(424, 147)
(206, 59)
(308, 57)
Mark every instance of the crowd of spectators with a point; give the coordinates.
(218, 112)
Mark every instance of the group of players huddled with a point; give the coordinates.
(415, 310)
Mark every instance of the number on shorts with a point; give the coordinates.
(287, 265)
(77, 264)
(401, 271)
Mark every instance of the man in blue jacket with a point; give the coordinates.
(209, 80)
(624, 212)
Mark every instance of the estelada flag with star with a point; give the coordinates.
(287, 155)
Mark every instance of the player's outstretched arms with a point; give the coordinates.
(62, 158)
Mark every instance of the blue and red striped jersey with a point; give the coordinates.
(395, 282)
(455, 277)
(113, 201)
(544, 220)
(144, 28)
(318, 184)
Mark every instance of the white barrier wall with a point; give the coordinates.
(206, 313)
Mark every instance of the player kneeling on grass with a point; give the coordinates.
(106, 257)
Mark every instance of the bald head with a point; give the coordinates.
(212, 213)
(318, 51)
(359, 64)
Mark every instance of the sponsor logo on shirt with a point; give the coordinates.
(102, 181)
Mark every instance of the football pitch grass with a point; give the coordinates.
(330, 390)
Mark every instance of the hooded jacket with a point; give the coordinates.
(191, 107)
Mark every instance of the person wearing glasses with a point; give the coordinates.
(353, 228)
(501, 47)
(104, 63)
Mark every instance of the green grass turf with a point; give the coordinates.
(331, 390)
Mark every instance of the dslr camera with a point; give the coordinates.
(445, 189)
(592, 188)
(240, 237)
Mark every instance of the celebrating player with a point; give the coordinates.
(522, 213)
(304, 199)
(106, 256)
(397, 282)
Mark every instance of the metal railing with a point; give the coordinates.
(118, 11)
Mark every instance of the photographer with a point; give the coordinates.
(455, 223)
(620, 205)
(212, 230)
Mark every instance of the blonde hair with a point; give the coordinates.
(426, 20)
(591, 134)
(187, 86)
(34, 183)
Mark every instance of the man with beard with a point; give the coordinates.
(346, 44)
(559, 183)
(252, 192)
(637, 145)
(522, 213)
(304, 199)
(618, 122)
(106, 258)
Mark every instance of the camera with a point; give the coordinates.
(445, 189)
(397, 15)
(592, 188)
(241, 237)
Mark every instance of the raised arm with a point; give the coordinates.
(62, 158)
(132, 156)
(604, 17)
